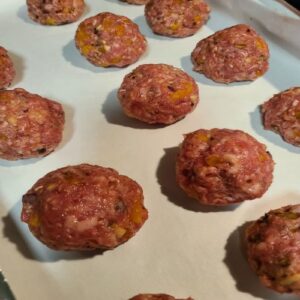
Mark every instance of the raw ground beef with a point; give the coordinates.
(7, 70)
(176, 18)
(55, 12)
(223, 166)
(273, 249)
(84, 207)
(158, 94)
(281, 114)
(30, 125)
(233, 54)
(110, 40)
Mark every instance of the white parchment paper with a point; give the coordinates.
(184, 249)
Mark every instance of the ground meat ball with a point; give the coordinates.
(237, 53)
(155, 297)
(176, 18)
(140, 2)
(110, 40)
(30, 125)
(223, 166)
(273, 249)
(84, 207)
(158, 93)
(7, 71)
(55, 12)
(282, 115)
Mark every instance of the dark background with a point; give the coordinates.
(295, 3)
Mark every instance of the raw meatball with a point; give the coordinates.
(237, 53)
(223, 166)
(273, 249)
(140, 2)
(158, 93)
(155, 297)
(55, 12)
(7, 71)
(84, 207)
(110, 40)
(282, 115)
(30, 125)
(176, 18)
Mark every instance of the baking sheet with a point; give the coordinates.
(184, 249)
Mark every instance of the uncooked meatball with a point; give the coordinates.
(158, 94)
(7, 70)
(55, 12)
(223, 166)
(30, 125)
(110, 40)
(273, 249)
(233, 54)
(281, 114)
(84, 207)
(176, 18)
